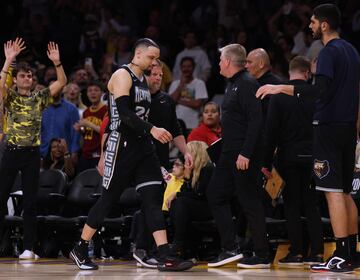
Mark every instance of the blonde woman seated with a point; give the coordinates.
(190, 203)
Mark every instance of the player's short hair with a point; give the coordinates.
(329, 13)
(145, 42)
(236, 53)
(300, 63)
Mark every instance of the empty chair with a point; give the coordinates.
(51, 192)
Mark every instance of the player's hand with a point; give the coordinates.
(266, 173)
(242, 163)
(265, 90)
(161, 134)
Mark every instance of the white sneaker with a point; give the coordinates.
(28, 255)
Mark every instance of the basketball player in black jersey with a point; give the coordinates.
(130, 157)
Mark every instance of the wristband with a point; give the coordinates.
(58, 65)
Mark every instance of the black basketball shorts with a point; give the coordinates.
(334, 157)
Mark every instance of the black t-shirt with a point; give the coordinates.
(163, 114)
(268, 78)
(289, 126)
(339, 61)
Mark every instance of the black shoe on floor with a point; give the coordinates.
(82, 260)
(226, 257)
(174, 264)
(291, 260)
(254, 262)
(333, 264)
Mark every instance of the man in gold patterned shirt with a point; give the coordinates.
(24, 108)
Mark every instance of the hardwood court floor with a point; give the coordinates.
(56, 269)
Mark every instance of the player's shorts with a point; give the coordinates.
(334, 157)
(130, 162)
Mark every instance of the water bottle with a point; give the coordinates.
(166, 175)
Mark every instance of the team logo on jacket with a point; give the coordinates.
(321, 168)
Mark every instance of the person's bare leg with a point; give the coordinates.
(160, 237)
(87, 233)
(352, 214)
(338, 213)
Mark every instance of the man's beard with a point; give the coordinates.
(317, 35)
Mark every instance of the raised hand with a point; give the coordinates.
(13, 48)
(53, 52)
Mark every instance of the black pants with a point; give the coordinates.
(26, 160)
(151, 199)
(133, 163)
(298, 194)
(183, 210)
(227, 181)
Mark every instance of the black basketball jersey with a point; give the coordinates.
(140, 101)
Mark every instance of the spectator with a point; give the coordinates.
(82, 79)
(175, 182)
(189, 93)
(209, 129)
(190, 203)
(89, 126)
(122, 54)
(72, 94)
(22, 151)
(58, 121)
(192, 49)
(58, 157)
(91, 44)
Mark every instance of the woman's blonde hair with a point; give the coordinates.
(200, 157)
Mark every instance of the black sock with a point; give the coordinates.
(164, 250)
(353, 239)
(342, 247)
(83, 246)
